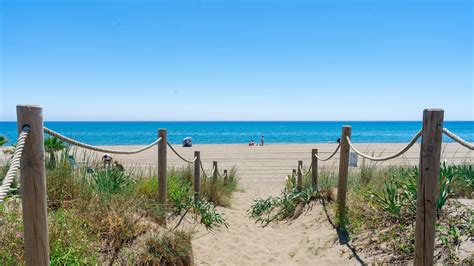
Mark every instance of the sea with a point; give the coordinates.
(140, 133)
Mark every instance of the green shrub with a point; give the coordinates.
(69, 241)
(168, 248)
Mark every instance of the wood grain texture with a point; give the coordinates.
(428, 186)
(343, 173)
(33, 186)
(162, 165)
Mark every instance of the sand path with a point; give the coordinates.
(310, 239)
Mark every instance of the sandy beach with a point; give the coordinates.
(262, 171)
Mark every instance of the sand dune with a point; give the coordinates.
(310, 239)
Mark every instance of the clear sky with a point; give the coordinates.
(237, 60)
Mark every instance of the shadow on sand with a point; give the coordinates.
(342, 234)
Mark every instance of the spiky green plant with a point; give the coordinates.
(3, 140)
(52, 145)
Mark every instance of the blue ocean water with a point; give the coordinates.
(129, 133)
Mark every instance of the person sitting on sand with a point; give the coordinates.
(252, 143)
(107, 159)
(118, 166)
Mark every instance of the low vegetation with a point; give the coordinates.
(289, 205)
(99, 215)
(381, 211)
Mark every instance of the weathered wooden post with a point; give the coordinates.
(214, 180)
(430, 154)
(314, 168)
(216, 171)
(293, 172)
(162, 161)
(225, 177)
(33, 186)
(343, 174)
(197, 175)
(299, 180)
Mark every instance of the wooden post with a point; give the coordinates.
(430, 154)
(343, 174)
(33, 186)
(197, 175)
(216, 172)
(299, 180)
(293, 172)
(314, 169)
(225, 177)
(214, 180)
(162, 161)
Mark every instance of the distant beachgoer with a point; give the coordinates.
(252, 143)
(107, 159)
(262, 141)
(119, 166)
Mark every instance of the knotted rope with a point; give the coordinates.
(458, 139)
(330, 156)
(95, 148)
(179, 155)
(15, 163)
(412, 142)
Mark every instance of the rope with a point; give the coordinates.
(458, 139)
(95, 148)
(307, 172)
(412, 142)
(181, 157)
(15, 163)
(204, 172)
(330, 156)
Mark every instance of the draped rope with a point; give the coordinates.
(307, 172)
(95, 148)
(204, 172)
(412, 142)
(15, 163)
(181, 157)
(330, 156)
(458, 139)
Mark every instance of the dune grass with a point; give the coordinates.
(95, 214)
(381, 209)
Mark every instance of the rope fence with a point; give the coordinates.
(330, 156)
(14, 164)
(95, 148)
(458, 139)
(393, 156)
(179, 155)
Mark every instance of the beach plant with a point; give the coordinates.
(167, 248)
(51, 146)
(288, 205)
(110, 180)
(3, 140)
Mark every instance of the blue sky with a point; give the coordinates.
(237, 60)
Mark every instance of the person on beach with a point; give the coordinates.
(252, 143)
(107, 159)
(262, 141)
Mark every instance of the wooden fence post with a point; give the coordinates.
(162, 164)
(214, 180)
(197, 175)
(314, 168)
(225, 177)
(299, 180)
(430, 154)
(33, 186)
(343, 174)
